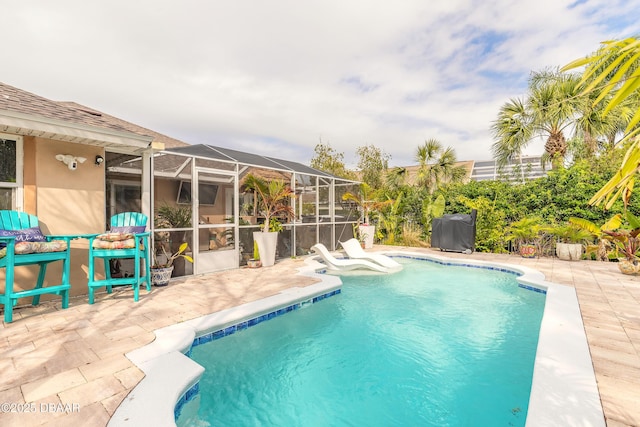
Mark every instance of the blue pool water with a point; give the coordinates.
(432, 345)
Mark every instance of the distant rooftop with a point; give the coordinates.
(524, 169)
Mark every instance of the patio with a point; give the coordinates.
(71, 363)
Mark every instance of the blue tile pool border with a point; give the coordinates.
(485, 267)
(193, 391)
(532, 288)
(229, 330)
(457, 264)
(563, 362)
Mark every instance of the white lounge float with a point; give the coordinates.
(354, 250)
(334, 263)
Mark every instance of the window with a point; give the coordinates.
(10, 172)
(123, 196)
(206, 193)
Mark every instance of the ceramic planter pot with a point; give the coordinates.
(628, 267)
(569, 251)
(161, 276)
(267, 243)
(254, 263)
(528, 251)
(367, 232)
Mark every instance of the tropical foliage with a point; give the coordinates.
(589, 121)
(613, 74)
(328, 160)
(367, 201)
(437, 165)
(372, 161)
(273, 199)
(548, 110)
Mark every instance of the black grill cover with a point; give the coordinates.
(454, 232)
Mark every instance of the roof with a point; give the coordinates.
(251, 159)
(516, 170)
(168, 141)
(27, 114)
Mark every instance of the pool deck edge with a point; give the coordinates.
(564, 386)
(169, 372)
(564, 390)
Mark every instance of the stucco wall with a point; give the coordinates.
(66, 202)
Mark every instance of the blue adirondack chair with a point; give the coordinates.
(12, 220)
(138, 253)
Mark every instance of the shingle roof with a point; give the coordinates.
(18, 101)
(14, 99)
(130, 127)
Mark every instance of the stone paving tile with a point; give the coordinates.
(35, 413)
(106, 366)
(110, 404)
(129, 377)
(53, 384)
(620, 399)
(77, 355)
(91, 392)
(92, 415)
(38, 356)
(58, 364)
(15, 377)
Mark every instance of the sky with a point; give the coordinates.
(278, 77)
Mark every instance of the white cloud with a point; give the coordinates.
(275, 77)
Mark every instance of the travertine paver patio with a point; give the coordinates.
(69, 365)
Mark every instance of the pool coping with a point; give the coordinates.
(564, 389)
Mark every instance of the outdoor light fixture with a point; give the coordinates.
(99, 160)
(70, 161)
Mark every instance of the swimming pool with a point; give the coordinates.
(432, 345)
(563, 392)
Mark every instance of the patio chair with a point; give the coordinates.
(125, 240)
(334, 263)
(354, 250)
(24, 244)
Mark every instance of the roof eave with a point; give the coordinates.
(31, 125)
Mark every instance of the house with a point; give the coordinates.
(517, 170)
(123, 167)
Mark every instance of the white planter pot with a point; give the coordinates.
(569, 251)
(367, 232)
(267, 243)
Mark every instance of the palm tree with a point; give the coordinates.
(395, 178)
(512, 132)
(553, 104)
(366, 200)
(614, 71)
(548, 110)
(273, 198)
(437, 165)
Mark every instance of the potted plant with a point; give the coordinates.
(524, 233)
(255, 261)
(627, 242)
(365, 200)
(163, 263)
(358, 235)
(570, 238)
(272, 200)
(172, 216)
(603, 245)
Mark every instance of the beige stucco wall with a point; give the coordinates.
(66, 202)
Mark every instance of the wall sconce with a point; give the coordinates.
(70, 161)
(99, 160)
